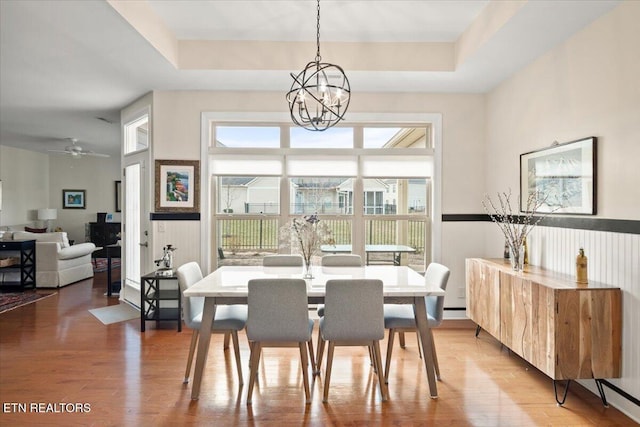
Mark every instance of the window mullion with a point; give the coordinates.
(357, 230)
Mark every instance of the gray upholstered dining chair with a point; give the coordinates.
(338, 260)
(400, 317)
(229, 319)
(283, 260)
(354, 316)
(278, 317)
(341, 260)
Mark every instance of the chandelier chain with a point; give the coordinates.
(318, 57)
(320, 93)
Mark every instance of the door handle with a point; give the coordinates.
(145, 244)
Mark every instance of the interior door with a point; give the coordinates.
(136, 230)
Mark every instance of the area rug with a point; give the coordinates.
(11, 300)
(100, 264)
(115, 313)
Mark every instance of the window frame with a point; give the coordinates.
(360, 120)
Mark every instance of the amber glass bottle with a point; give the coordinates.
(581, 267)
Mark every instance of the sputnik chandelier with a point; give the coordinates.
(320, 94)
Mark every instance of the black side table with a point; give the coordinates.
(27, 264)
(151, 295)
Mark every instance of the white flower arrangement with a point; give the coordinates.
(514, 226)
(305, 234)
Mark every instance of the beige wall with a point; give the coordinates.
(587, 86)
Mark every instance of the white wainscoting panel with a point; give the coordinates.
(614, 259)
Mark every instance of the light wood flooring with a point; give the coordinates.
(54, 351)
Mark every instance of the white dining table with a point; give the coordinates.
(228, 285)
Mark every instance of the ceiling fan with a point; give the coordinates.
(77, 151)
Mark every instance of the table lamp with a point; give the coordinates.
(47, 215)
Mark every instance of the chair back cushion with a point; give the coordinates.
(282, 261)
(342, 260)
(278, 310)
(353, 310)
(57, 237)
(192, 307)
(436, 274)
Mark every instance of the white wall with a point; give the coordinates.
(176, 135)
(95, 175)
(587, 86)
(35, 180)
(25, 185)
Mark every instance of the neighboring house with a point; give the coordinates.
(416, 195)
(318, 195)
(409, 138)
(249, 195)
(263, 195)
(232, 192)
(376, 196)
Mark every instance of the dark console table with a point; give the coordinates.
(152, 296)
(25, 250)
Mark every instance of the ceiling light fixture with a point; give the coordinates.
(320, 94)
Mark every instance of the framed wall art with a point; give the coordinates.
(177, 186)
(74, 199)
(565, 174)
(118, 196)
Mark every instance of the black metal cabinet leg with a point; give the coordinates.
(478, 329)
(564, 396)
(142, 306)
(601, 391)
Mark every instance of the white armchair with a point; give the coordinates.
(57, 263)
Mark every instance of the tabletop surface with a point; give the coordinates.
(231, 281)
(368, 248)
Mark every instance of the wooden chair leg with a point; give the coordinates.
(236, 350)
(401, 335)
(227, 335)
(305, 375)
(435, 356)
(192, 349)
(254, 361)
(387, 363)
(375, 347)
(320, 351)
(327, 374)
(371, 361)
(418, 341)
(312, 356)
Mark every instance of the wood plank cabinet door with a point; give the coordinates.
(543, 344)
(527, 316)
(483, 296)
(566, 330)
(516, 314)
(588, 335)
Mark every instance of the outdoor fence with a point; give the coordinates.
(241, 235)
(322, 208)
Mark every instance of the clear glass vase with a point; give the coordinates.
(517, 257)
(307, 269)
